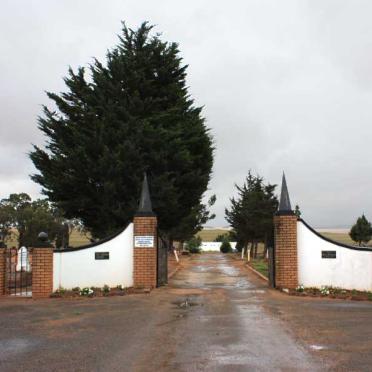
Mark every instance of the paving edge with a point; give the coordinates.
(256, 272)
(173, 272)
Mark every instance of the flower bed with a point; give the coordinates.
(105, 291)
(332, 292)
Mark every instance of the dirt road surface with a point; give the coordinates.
(214, 315)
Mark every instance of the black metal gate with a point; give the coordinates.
(271, 263)
(162, 262)
(18, 272)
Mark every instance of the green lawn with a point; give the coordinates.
(261, 266)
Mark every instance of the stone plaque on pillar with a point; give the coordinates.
(144, 241)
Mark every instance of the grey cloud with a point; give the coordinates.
(285, 85)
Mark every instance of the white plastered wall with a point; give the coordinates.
(351, 269)
(214, 246)
(80, 268)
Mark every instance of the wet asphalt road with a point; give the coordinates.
(214, 316)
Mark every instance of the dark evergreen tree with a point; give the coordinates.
(361, 232)
(193, 245)
(222, 237)
(225, 246)
(133, 114)
(251, 214)
(193, 223)
(297, 211)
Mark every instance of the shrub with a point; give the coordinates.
(225, 247)
(193, 245)
(86, 292)
(222, 237)
(61, 290)
(300, 288)
(106, 290)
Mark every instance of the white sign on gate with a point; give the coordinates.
(144, 241)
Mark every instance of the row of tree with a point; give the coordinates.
(251, 216)
(22, 219)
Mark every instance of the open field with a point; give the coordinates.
(207, 235)
(77, 239)
(339, 237)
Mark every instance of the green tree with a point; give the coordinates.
(133, 114)
(251, 214)
(297, 211)
(6, 221)
(229, 236)
(225, 246)
(193, 223)
(361, 232)
(193, 244)
(28, 218)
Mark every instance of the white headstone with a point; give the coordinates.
(23, 262)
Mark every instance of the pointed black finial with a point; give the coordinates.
(285, 203)
(145, 205)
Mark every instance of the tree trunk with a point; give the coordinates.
(265, 247)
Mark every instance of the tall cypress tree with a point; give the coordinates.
(251, 214)
(130, 115)
(361, 231)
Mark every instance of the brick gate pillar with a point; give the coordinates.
(145, 242)
(42, 268)
(285, 225)
(2, 268)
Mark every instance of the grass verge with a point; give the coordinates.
(261, 266)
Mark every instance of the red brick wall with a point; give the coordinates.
(42, 272)
(145, 263)
(286, 274)
(2, 270)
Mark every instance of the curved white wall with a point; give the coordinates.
(351, 269)
(81, 269)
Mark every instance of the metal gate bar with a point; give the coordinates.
(18, 274)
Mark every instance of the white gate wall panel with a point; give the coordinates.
(80, 268)
(351, 269)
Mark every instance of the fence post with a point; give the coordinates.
(42, 268)
(2, 268)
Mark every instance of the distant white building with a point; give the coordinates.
(214, 246)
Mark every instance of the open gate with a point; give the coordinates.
(162, 262)
(18, 272)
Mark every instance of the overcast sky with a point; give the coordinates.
(286, 85)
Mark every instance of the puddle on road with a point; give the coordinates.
(185, 303)
(202, 268)
(318, 347)
(228, 270)
(14, 346)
